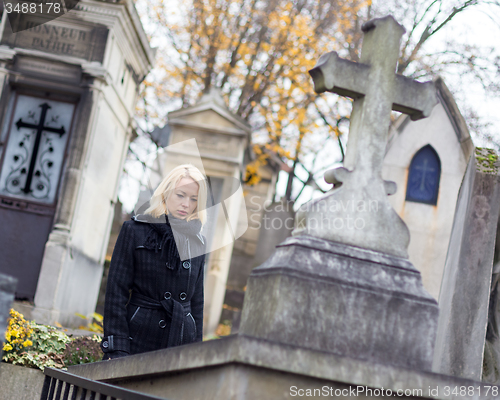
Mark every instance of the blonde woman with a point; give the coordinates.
(154, 294)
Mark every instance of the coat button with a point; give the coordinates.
(183, 296)
(167, 295)
(105, 344)
(162, 324)
(186, 264)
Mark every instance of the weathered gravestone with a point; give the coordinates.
(465, 290)
(7, 290)
(359, 213)
(343, 283)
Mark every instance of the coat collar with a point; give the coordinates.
(159, 223)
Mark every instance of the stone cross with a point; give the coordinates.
(358, 212)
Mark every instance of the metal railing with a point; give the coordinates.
(61, 385)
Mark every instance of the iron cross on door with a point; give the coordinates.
(40, 127)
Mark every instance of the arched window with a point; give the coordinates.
(423, 176)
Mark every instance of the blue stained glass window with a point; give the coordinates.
(423, 177)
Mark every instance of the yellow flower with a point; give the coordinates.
(7, 347)
(27, 343)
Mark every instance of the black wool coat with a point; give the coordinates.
(153, 299)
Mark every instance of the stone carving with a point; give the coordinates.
(358, 213)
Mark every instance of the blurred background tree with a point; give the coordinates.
(258, 54)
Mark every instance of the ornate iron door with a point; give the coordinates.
(31, 166)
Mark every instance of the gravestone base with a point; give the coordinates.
(245, 368)
(342, 299)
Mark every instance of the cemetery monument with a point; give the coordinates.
(327, 314)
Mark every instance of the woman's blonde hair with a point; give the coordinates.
(157, 204)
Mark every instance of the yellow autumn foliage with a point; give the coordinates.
(257, 53)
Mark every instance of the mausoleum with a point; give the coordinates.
(68, 91)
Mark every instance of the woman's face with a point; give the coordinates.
(184, 198)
